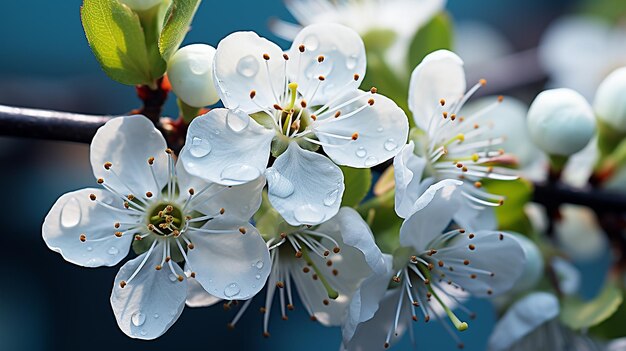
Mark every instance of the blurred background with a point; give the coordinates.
(45, 62)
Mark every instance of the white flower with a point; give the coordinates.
(609, 104)
(298, 101)
(169, 217)
(578, 52)
(141, 5)
(437, 266)
(561, 122)
(325, 264)
(190, 71)
(454, 146)
(365, 17)
(534, 266)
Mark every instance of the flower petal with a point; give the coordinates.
(375, 128)
(239, 202)
(485, 275)
(365, 301)
(408, 169)
(304, 187)
(148, 306)
(128, 143)
(240, 67)
(522, 318)
(331, 50)
(231, 266)
(73, 215)
(226, 147)
(439, 76)
(431, 215)
(471, 218)
(198, 297)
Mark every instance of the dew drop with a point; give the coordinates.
(143, 332)
(240, 173)
(316, 69)
(311, 42)
(237, 120)
(138, 319)
(248, 66)
(173, 278)
(89, 248)
(361, 152)
(259, 264)
(258, 276)
(232, 289)
(70, 213)
(380, 129)
(199, 147)
(331, 197)
(113, 250)
(370, 161)
(390, 144)
(308, 214)
(278, 185)
(156, 316)
(352, 61)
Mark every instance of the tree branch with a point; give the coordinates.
(601, 201)
(51, 125)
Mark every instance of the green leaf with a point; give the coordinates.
(177, 24)
(612, 327)
(435, 35)
(517, 193)
(358, 182)
(117, 40)
(387, 81)
(578, 314)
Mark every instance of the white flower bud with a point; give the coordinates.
(190, 71)
(141, 5)
(610, 100)
(561, 122)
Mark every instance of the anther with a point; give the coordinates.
(92, 197)
(321, 78)
(326, 302)
(83, 237)
(489, 291)
(306, 269)
(356, 77)
(373, 90)
(396, 279)
(151, 161)
(335, 272)
(445, 115)
(440, 263)
(222, 210)
(314, 117)
(192, 274)
(355, 136)
(472, 247)
(478, 184)
(370, 102)
(107, 165)
(242, 230)
(313, 319)
(148, 194)
(286, 57)
(191, 191)
(337, 114)
(326, 253)
(138, 237)
(126, 204)
(190, 246)
(180, 278)
(169, 151)
(266, 334)
(329, 263)
(500, 98)
(301, 48)
(117, 225)
(471, 236)
(158, 267)
(168, 258)
(336, 249)
(314, 276)
(266, 57)
(473, 276)
(483, 82)
(277, 107)
(501, 236)
(118, 234)
(303, 104)
(290, 307)
(386, 345)
(100, 180)
(122, 284)
(442, 102)
(280, 285)
(452, 117)
(320, 58)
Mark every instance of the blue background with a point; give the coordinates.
(48, 304)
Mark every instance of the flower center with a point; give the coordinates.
(166, 219)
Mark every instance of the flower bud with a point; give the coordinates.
(141, 5)
(561, 122)
(610, 104)
(190, 71)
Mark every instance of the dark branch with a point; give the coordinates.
(601, 201)
(51, 125)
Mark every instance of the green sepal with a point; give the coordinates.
(578, 314)
(177, 22)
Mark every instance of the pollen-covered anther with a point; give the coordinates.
(395, 278)
(130, 197)
(82, 237)
(122, 284)
(413, 259)
(169, 208)
(321, 78)
(266, 57)
(242, 230)
(107, 165)
(432, 252)
(298, 255)
(295, 125)
(471, 236)
(169, 151)
(440, 263)
(355, 136)
(176, 233)
(478, 184)
(374, 90)
(483, 82)
(306, 269)
(168, 258)
(280, 285)
(301, 48)
(431, 266)
(473, 276)
(326, 253)
(222, 210)
(286, 57)
(148, 194)
(464, 169)
(100, 180)
(326, 302)
(158, 267)
(92, 197)
(445, 115)
(356, 77)
(303, 104)
(337, 114)
(118, 234)
(371, 102)
(180, 278)
(314, 117)
(500, 98)
(252, 94)
(336, 249)
(442, 102)
(426, 281)
(471, 247)
(126, 204)
(151, 161)
(453, 117)
(277, 107)
(190, 246)
(320, 58)
(335, 272)
(117, 225)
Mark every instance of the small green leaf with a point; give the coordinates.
(358, 182)
(177, 24)
(117, 40)
(435, 35)
(511, 215)
(613, 327)
(578, 314)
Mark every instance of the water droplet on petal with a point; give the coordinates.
(258, 276)
(240, 173)
(237, 120)
(173, 278)
(361, 152)
(143, 332)
(89, 248)
(259, 264)
(232, 289)
(278, 185)
(311, 42)
(113, 250)
(138, 319)
(156, 316)
(70, 213)
(308, 214)
(380, 129)
(370, 161)
(248, 66)
(199, 147)
(390, 144)
(331, 197)
(352, 61)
